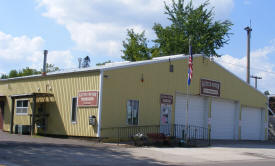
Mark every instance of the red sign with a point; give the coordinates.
(87, 99)
(210, 88)
(166, 99)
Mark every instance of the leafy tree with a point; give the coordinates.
(86, 62)
(4, 76)
(135, 47)
(13, 73)
(29, 71)
(192, 23)
(103, 63)
(187, 23)
(51, 68)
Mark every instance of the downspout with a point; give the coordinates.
(100, 104)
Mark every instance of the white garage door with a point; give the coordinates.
(223, 119)
(197, 114)
(251, 124)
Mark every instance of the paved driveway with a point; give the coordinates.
(18, 150)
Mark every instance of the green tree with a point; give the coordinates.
(187, 23)
(51, 68)
(28, 71)
(4, 76)
(135, 47)
(13, 73)
(192, 23)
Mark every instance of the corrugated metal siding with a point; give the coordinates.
(125, 83)
(64, 87)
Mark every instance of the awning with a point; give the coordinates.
(31, 95)
(34, 97)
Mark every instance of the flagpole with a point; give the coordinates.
(186, 115)
(187, 101)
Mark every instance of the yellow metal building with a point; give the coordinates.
(129, 95)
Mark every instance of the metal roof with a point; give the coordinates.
(108, 66)
(125, 64)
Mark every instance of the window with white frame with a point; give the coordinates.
(22, 107)
(132, 112)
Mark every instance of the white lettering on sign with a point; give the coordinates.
(211, 91)
(87, 99)
(210, 88)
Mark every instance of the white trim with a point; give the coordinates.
(100, 103)
(152, 61)
(21, 107)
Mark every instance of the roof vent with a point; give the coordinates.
(44, 62)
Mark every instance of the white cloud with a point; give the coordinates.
(24, 51)
(99, 26)
(261, 65)
(18, 47)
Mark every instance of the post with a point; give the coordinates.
(248, 29)
(12, 115)
(256, 80)
(189, 76)
(33, 115)
(186, 115)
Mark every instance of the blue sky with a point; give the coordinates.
(70, 29)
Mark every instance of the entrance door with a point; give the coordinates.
(1, 115)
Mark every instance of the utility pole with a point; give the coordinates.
(256, 79)
(248, 29)
(79, 62)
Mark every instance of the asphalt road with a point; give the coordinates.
(18, 150)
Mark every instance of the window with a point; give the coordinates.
(74, 109)
(22, 107)
(132, 112)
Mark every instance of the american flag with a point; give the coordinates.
(190, 68)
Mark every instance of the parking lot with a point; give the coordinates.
(21, 150)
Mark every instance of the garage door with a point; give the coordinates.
(223, 119)
(251, 123)
(197, 114)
